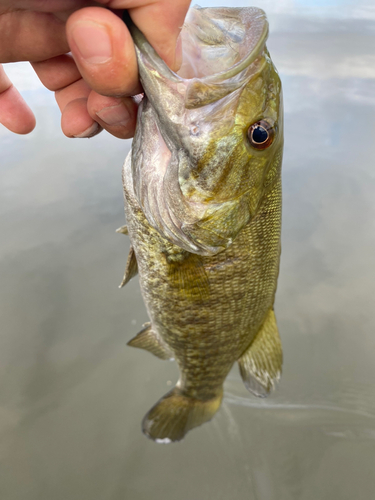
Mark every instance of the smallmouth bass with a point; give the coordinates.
(202, 188)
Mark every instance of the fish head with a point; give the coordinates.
(209, 139)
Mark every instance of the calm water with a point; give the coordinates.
(73, 394)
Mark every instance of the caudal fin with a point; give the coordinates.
(176, 414)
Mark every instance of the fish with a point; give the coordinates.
(202, 189)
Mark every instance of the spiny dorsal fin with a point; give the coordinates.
(150, 341)
(131, 268)
(260, 365)
(122, 230)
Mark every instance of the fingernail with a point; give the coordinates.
(89, 132)
(114, 115)
(93, 42)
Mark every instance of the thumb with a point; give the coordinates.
(161, 22)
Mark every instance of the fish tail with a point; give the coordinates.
(175, 414)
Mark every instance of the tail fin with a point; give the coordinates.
(176, 414)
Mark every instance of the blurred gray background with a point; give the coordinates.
(72, 394)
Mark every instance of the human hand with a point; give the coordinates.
(94, 89)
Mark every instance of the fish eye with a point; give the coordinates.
(261, 134)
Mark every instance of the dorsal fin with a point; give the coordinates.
(131, 268)
(122, 230)
(151, 341)
(260, 365)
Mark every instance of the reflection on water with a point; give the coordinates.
(72, 394)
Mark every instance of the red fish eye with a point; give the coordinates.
(261, 134)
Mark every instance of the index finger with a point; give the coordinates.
(15, 114)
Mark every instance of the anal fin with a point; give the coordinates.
(131, 268)
(150, 341)
(260, 365)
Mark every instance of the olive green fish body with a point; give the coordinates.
(203, 213)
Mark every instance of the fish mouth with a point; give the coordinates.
(223, 49)
(219, 47)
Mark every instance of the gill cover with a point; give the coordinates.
(195, 174)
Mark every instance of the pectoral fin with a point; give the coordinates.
(131, 268)
(189, 275)
(260, 366)
(150, 341)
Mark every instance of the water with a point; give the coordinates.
(72, 393)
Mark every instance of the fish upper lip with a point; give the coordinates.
(242, 64)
